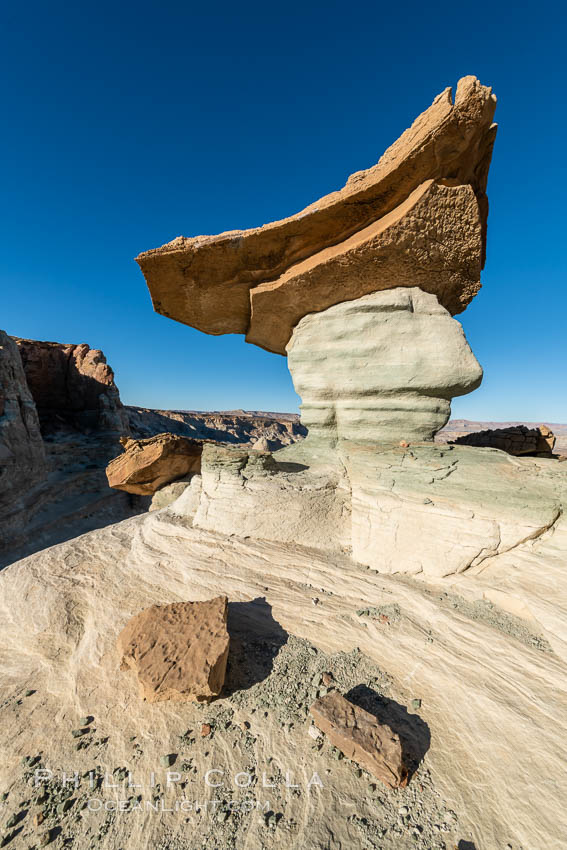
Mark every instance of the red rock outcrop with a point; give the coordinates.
(72, 385)
(178, 651)
(417, 218)
(357, 734)
(147, 465)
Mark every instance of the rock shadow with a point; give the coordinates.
(414, 732)
(285, 466)
(466, 845)
(255, 640)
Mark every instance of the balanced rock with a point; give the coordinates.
(357, 734)
(147, 465)
(516, 440)
(178, 651)
(417, 218)
(72, 385)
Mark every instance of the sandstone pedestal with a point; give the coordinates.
(379, 369)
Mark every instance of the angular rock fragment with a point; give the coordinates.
(178, 651)
(357, 734)
(418, 217)
(147, 465)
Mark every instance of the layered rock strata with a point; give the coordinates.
(517, 440)
(382, 368)
(72, 385)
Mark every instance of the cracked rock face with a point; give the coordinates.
(418, 217)
(22, 453)
(72, 385)
(382, 368)
(358, 735)
(178, 651)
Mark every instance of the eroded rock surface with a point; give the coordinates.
(178, 651)
(382, 368)
(147, 465)
(72, 385)
(417, 217)
(492, 688)
(359, 736)
(22, 455)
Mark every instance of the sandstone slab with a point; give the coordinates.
(440, 164)
(432, 240)
(147, 465)
(178, 651)
(357, 734)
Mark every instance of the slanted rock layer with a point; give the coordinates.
(147, 465)
(432, 180)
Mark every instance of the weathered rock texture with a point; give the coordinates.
(518, 440)
(22, 454)
(178, 651)
(382, 368)
(493, 687)
(147, 465)
(72, 385)
(418, 217)
(359, 736)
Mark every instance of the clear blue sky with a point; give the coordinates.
(127, 124)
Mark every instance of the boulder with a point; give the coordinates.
(418, 217)
(147, 465)
(357, 734)
(72, 385)
(516, 440)
(178, 651)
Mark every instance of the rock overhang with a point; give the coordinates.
(252, 282)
